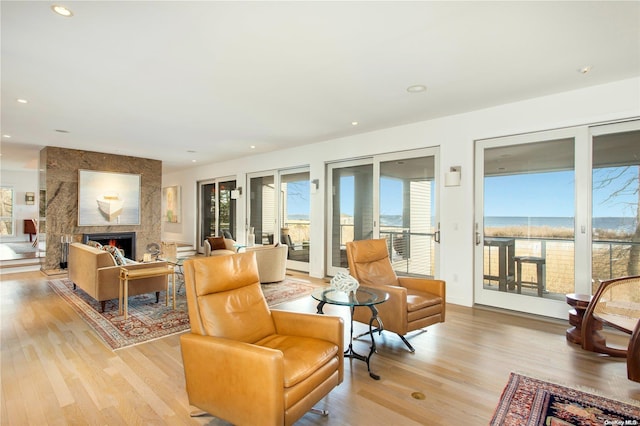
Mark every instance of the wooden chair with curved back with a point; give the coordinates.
(414, 303)
(245, 363)
(616, 303)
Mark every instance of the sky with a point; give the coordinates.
(552, 195)
(534, 195)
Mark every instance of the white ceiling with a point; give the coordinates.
(163, 79)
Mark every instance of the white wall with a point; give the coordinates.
(21, 182)
(455, 135)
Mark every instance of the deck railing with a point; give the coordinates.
(609, 259)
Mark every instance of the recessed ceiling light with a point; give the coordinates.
(6, 136)
(416, 88)
(585, 69)
(62, 11)
(193, 161)
(22, 101)
(253, 147)
(354, 123)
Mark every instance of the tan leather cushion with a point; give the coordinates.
(216, 243)
(302, 355)
(418, 300)
(232, 305)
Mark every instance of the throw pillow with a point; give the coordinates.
(217, 243)
(117, 256)
(94, 244)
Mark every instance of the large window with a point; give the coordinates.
(295, 206)
(557, 212)
(217, 209)
(529, 201)
(615, 205)
(391, 196)
(6, 211)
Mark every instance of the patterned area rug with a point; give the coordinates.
(287, 290)
(149, 320)
(528, 401)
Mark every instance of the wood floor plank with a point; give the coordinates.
(53, 361)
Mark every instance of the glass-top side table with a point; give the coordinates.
(178, 263)
(364, 296)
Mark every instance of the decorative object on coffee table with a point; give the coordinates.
(344, 282)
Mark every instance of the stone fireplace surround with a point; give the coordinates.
(58, 185)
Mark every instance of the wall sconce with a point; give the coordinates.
(315, 184)
(236, 193)
(452, 177)
(30, 198)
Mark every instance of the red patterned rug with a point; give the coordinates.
(287, 290)
(149, 320)
(527, 401)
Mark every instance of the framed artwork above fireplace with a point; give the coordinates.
(107, 198)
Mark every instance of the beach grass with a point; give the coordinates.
(610, 257)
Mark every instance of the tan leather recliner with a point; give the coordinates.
(245, 363)
(414, 303)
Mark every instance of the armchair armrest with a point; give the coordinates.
(325, 327)
(437, 287)
(255, 373)
(393, 312)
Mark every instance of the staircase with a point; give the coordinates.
(13, 266)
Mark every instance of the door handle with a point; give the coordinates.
(436, 237)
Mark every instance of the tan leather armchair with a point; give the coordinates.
(245, 363)
(414, 303)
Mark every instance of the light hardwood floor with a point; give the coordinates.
(56, 371)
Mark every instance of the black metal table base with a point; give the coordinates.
(350, 353)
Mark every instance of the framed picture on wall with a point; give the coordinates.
(106, 198)
(171, 210)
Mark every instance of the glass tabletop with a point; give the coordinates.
(177, 261)
(364, 296)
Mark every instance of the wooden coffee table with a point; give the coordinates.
(127, 275)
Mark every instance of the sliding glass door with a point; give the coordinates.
(556, 213)
(615, 197)
(282, 215)
(526, 222)
(262, 209)
(295, 223)
(217, 209)
(389, 196)
(351, 209)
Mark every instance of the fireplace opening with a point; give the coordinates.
(125, 241)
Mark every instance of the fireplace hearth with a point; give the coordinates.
(125, 241)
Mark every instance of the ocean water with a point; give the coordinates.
(621, 224)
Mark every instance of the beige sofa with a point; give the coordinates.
(272, 262)
(95, 271)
